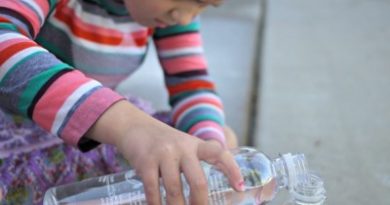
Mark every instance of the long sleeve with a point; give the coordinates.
(196, 108)
(37, 85)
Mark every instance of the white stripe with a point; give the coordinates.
(9, 36)
(96, 46)
(37, 9)
(180, 51)
(90, 18)
(70, 101)
(197, 106)
(207, 129)
(200, 95)
(10, 62)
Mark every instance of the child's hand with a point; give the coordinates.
(156, 150)
(166, 152)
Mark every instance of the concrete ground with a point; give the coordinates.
(323, 89)
(325, 82)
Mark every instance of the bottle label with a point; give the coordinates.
(108, 180)
(115, 196)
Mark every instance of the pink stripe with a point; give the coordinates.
(210, 135)
(10, 42)
(180, 41)
(108, 80)
(50, 103)
(185, 106)
(203, 124)
(44, 4)
(87, 114)
(23, 10)
(185, 63)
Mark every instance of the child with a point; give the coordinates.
(58, 61)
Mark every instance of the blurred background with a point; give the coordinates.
(303, 76)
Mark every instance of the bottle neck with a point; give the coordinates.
(290, 170)
(312, 192)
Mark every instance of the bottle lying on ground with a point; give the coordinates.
(263, 179)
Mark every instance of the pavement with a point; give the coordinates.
(303, 76)
(324, 91)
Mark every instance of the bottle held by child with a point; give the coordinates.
(263, 179)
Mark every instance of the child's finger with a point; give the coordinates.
(172, 181)
(150, 179)
(228, 165)
(196, 180)
(224, 160)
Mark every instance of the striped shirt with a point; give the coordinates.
(59, 60)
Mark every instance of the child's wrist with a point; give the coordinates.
(112, 125)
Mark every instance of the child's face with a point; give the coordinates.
(162, 13)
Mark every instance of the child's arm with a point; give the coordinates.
(36, 85)
(197, 109)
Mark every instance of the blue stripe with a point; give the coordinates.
(19, 23)
(19, 76)
(173, 80)
(35, 11)
(80, 101)
(182, 55)
(85, 59)
(203, 111)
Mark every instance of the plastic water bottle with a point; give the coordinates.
(263, 178)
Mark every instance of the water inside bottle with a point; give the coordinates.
(259, 172)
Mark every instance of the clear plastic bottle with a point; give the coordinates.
(263, 178)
